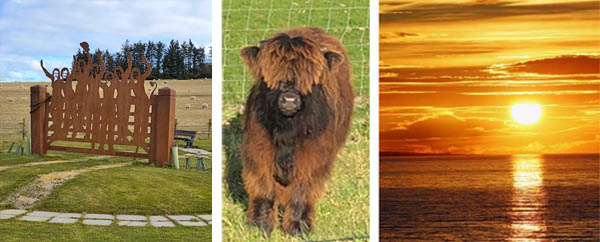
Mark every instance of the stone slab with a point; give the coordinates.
(189, 223)
(13, 212)
(131, 217)
(7, 216)
(133, 223)
(158, 218)
(63, 220)
(182, 217)
(99, 216)
(162, 223)
(42, 214)
(34, 218)
(68, 215)
(205, 217)
(99, 222)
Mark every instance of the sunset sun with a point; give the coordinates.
(526, 113)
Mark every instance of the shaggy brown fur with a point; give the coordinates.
(288, 159)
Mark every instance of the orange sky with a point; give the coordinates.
(450, 70)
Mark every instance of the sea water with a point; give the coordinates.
(483, 198)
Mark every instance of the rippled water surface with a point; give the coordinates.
(514, 198)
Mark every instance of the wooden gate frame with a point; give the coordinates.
(99, 107)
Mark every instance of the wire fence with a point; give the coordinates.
(246, 22)
(14, 131)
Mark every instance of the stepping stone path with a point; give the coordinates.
(11, 213)
(160, 221)
(98, 219)
(187, 220)
(107, 219)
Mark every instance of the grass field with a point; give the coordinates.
(135, 189)
(343, 213)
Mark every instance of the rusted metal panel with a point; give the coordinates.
(96, 106)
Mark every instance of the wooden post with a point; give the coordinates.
(38, 112)
(163, 126)
(153, 117)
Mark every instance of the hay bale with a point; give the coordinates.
(188, 106)
(192, 97)
(10, 99)
(204, 105)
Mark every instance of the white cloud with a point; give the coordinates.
(15, 75)
(52, 30)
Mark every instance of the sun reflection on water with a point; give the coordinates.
(528, 203)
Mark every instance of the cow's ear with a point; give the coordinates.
(333, 59)
(250, 56)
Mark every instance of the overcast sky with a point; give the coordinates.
(31, 30)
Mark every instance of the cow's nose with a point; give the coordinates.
(289, 99)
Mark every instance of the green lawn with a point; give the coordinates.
(343, 212)
(137, 189)
(12, 159)
(201, 142)
(14, 178)
(18, 231)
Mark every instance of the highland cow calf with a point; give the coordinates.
(296, 120)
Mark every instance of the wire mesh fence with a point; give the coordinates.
(246, 22)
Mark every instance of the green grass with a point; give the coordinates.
(137, 189)
(18, 231)
(14, 178)
(250, 21)
(12, 159)
(202, 141)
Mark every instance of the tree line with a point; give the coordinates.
(172, 61)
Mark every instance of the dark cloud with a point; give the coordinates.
(478, 11)
(560, 65)
(408, 48)
(437, 74)
(444, 126)
(383, 36)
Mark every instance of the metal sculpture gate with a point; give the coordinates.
(104, 109)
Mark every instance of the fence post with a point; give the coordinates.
(153, 128)
(163, 126)
(38, 112)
